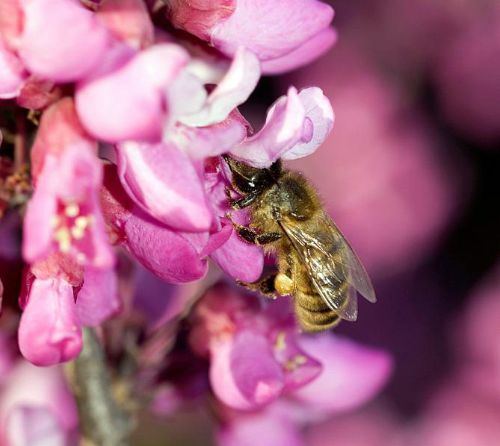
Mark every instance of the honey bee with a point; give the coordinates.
(316, 264)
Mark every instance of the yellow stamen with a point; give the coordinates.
(72, 210)
(280, 343)
(63, 238)
(77, 232)
(82, 222)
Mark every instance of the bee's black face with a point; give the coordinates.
(248, 179)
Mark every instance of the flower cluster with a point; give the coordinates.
(116, 115)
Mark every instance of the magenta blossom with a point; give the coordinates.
(282, 34)
(256, 355)
(55, 310)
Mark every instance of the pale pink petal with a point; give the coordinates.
(34, 426)
(59, 128)
(302, 55)
(239, 259)
(243, 372)
(37, 234)
(12, 73)
(49, 330)
(11, 21)
(98, 299)
(271, 28)
(37, 94)
(61, 40)
(162, 180)
(282, 130)
(164, 252)
(352, 374)
(36, 388)
(130, 102)
(233, 90)
(317, 125)
(129, 20)
(203, 142)
(263, 428)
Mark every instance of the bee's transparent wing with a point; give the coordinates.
(330, 262)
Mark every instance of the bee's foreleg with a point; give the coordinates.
(241, 203)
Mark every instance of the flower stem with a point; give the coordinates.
(102, 421)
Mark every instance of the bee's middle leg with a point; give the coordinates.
(265, 286)
(254, 237)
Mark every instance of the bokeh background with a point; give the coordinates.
(411, 175)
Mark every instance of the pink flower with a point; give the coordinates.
(256, 356)
(49, 331)
(36, 407)
(53, 50)
(63, 215)
(283, 34)
(296, 125)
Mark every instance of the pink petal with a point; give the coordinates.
(233, 90)
(319, 116)
(37, 94)
(299, 368)
(13, 74)
(243, 372)
(199, 16)
(34, 426)
(52, 49)
(270, 29)
(59, 128)
(302, 55)
(49, 331)
(239, 259)
(33, 387)
(263, 427)
(162, 180)
(204, 142)
(98, 298)
(282, 130)
(161, 250)
(141, 84)
(129, 20)
(352, 374)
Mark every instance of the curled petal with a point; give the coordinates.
(317, 125)
(141, 85)
(352, 374)
(49, 331)
(233, 90)
(98, 298)
(52, 49)
(243, 372)
(162, 180)
(164, 252)
(283, 129)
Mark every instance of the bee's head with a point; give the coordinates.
(249, 179)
